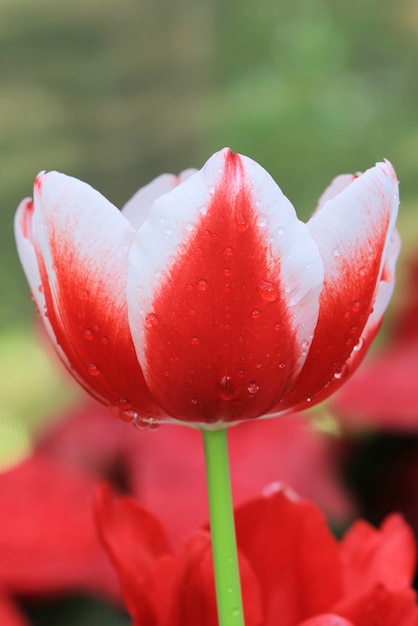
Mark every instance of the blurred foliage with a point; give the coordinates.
(26, 365)
(117, 91)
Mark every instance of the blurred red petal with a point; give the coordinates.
(327, 620)
(160, 467)
(383, 393)
(293, 554)
(134, 539)
(10, 614)
(48, 543)
(381, 607)
(386, 555)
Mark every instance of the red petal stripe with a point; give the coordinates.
(220, 344)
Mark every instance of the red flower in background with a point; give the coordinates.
(160, 468)
(293, 570)
(206, 299)
(47, 541)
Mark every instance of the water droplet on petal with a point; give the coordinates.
(342, 372)
(145, 423)
(193, 400)
(226, 388)
(356, 306)
(336, 253)
(228, 251)
(268, 291)
(93, 369)
(104, 340)
(188, 226)
(282, 365)
(359, 345)
(253, 388)
(255, 313)
(281, 232)
(202, 284)
(241, 373)
(195, 341)
(125, 416)
(242, 223)
(88, 334)
(151, 320)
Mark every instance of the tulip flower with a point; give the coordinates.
(294, 572)
(205, 300)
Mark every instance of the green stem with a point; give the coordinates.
(224, 545)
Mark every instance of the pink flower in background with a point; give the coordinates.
(206, 299)
(293, 571)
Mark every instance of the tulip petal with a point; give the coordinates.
(48, 544)
(137, 208)
(327, 619)
(380, 606)
(134, 540)
(223, 293)
(386, 555)
(293, 554)
(74, 247)
(191, 599)
(355, 234)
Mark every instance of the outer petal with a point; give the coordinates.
(383, 394)
(74, 247)
(136, 210)
(355, 234)
(223, 293)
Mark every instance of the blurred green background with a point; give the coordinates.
(117, 91)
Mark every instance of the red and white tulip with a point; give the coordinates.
(206, 300)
